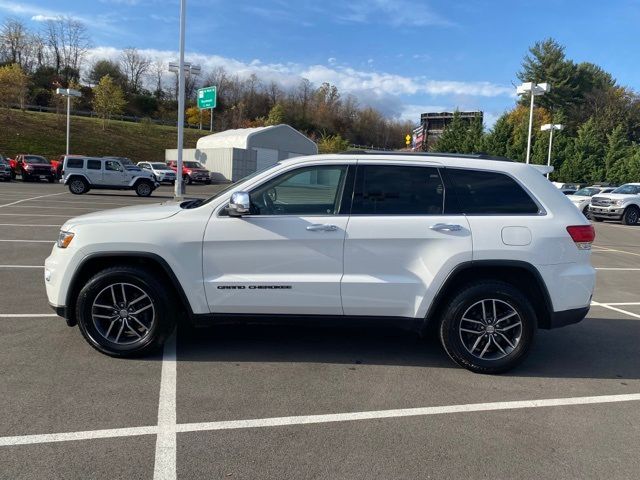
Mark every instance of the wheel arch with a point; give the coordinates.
(93, 263)
(521, 275)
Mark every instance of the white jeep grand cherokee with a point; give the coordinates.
(485, 251)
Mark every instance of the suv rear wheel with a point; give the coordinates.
(631, 215)
(78, 186)
(144, 188)
(125, 311)
(488, 327)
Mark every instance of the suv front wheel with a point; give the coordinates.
(125, 311)
(488, 327)
(144, 188)
(78, 186)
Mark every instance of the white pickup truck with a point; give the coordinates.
(623, 204)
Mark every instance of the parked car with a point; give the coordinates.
(82, 174)
(5, 170)
(34, 167)
(58, 163)
(582, 198)
(623, 204)
(483, 251)
(568, 191)
(192, 171)
(161, 171)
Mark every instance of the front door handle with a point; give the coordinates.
(322, 227)
(446, 227)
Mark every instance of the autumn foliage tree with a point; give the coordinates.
(108, 99)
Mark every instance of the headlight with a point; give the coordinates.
(64, 239)
(618, 203)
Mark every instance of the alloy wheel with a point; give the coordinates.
(123, 314)
(490, 329)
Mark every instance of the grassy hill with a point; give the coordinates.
(45, 134)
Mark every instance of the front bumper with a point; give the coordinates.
(606, 212)
(5, 173)
(567, 317)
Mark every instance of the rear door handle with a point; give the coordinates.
(322, 227)
(446, 227)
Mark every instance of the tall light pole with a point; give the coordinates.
(183, 69)
(551, 127)
(536, 89)
(68, 92)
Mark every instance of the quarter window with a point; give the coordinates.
(397, 190)
(75, 163)
(94, 164)
(490, 193)
(306, 191)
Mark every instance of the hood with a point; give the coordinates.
(145, 213)
(616, 196)
(577, 198)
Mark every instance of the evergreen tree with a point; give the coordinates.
(498, 139)
(454, 136)
(585, 163)
(474, 138)
(276, 115)
(616, 154)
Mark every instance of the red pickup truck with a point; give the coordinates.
(192, 171)
(34, 167)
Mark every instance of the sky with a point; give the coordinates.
(402, 57)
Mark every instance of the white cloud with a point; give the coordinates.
(43, 18)
(38, 14)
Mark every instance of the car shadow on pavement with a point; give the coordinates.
(602, 348)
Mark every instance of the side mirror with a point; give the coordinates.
(239, 204)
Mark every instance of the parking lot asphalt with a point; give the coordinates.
(288, 403)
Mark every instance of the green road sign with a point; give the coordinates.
(207, 97)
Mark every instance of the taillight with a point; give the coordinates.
(582, 235)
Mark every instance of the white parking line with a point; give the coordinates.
(32, 215)
(32, 198)
(55, 208)
(165, 460)
(26, 225)
(310, 419)
(29, 241)
(27, 315)
(615, 269)
(602, 249)
(21, 266)
(615, 309)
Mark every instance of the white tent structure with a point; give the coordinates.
(233, 154)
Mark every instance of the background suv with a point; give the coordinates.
(81, 174)
(482, 251)
(5, 169)
(162, 172)
(622, 204)
(34, 167)
(192, 171)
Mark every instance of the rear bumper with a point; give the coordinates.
(63, 312)
(567, 317)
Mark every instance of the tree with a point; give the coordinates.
(14, 41)
(134, 66)
(585, 159)
(454, 136)
(194, 115)
(332, 144)
(100, 68)
(474, 139)
(13, 86)
(68, 42)
(108, 99)
(616, 154)
(498, 139)
(276, 115)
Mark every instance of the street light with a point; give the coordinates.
(551, 127)
(68, 92)
(536, 89)
(182, 68)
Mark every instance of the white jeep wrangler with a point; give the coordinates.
(483, 251)
(623, 204)
(82, 174)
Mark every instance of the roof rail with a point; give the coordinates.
(476, 156)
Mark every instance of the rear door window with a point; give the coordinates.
(94, 165)
(481, 192)
(397, 190)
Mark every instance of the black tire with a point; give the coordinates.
(207, 182)
(52, 179)
(173, 184)
(631, 215)
(585, 212)
(144, 188)
(188, 180)
(507, 296)
(78, 186)
(160, 327)
(596, 219)
(25, 178)
(13, 175)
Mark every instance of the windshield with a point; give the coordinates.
(628, 189)
(198, 202)
(587, 192)
(193, 164)
(160, 166)
(35, 159)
